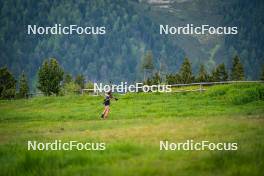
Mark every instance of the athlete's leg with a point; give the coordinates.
(106, 112)
(103, 114)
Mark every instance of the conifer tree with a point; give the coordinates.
(186, 72)
(173, 78)
(202, 75)
(219, 73)
(7, 84)
(237, 72)
(170, 79)
(23, 86)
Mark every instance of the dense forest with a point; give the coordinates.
(249, 43)
(114, 56)
(130, 33)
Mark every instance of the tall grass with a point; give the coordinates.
(217, 100)
(137, 122)
(239, 94)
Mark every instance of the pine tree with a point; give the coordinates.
(223, 74)
(173, 78)
(202, 75)
(23, 86)
(219, 73)
(186, 72)
(237, 73)
(7, 84)
(50, 76)
(170, 79)
(80, 80)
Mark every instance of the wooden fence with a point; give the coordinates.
(177, 87)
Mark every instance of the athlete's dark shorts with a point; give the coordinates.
(107, 102)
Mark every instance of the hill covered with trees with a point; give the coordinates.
(132, 29)
(249, 43)
(114, 56)
(211, 50)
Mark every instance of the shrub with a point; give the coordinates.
(243, 96)
(216, 91)
(238, 94)
(71, 88)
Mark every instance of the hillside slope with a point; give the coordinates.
(214, 49)
(132, 29)
(114, 56)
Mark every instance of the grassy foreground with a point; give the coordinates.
(227, 113)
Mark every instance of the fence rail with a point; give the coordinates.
(213, 83)
(200, 89)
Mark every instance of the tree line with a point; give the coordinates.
(52, 79)
(219, 73)
(185, 74)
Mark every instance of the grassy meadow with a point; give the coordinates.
(136, 125)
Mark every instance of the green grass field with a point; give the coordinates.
(137, 123)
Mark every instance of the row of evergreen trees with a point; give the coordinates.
(53, 81)
(8, 85)
(185, 74)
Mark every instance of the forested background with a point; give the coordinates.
(249, 43)
(132, 29)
